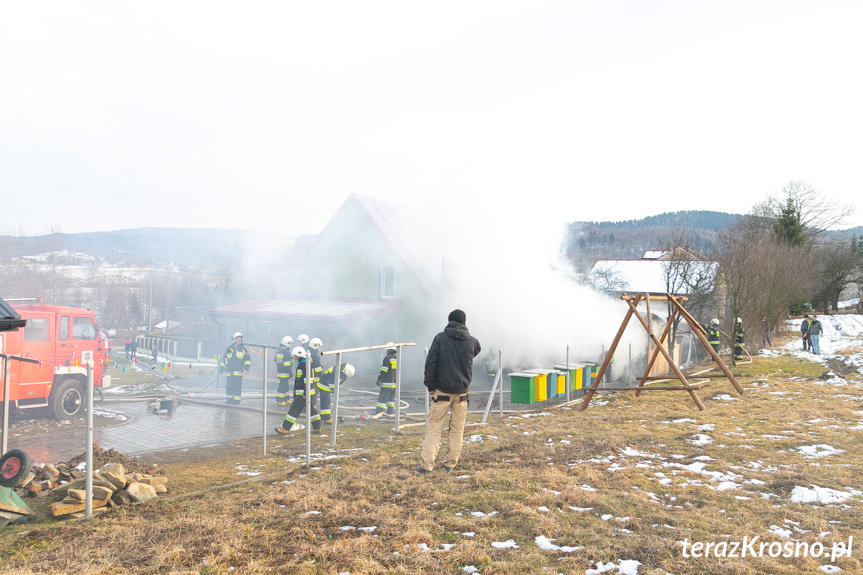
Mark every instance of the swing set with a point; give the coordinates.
(659, 348)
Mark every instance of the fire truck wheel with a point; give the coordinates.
(67, 400)
(15, 468)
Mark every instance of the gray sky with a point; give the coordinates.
(266, 115)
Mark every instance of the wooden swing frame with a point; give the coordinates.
(677, 308)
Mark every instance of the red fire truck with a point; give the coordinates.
(62, 339)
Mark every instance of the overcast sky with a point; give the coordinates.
(267, 115)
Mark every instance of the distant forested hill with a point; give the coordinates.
(197, 247)
(691, 219)
(589, 241)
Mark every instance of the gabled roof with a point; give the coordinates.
(678, 253)
(411, 233)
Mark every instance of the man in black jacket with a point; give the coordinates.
(448, 371)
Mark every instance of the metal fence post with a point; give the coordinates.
(264, 403)
(6, 402)
(88, 482)
(426, 394)
(398, 384)
(337, 381)
(308, 378)
(630, 364)
(498, 380)
(500, 371)
(568, 371)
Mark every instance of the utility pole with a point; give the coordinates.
(150, 307)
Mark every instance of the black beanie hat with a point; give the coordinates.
(457, 315)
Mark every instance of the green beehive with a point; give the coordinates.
(575, 372)
(523, 386)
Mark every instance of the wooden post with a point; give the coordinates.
(609, 355)
(632, 302)
(699, 333)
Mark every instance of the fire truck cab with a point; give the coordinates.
(63, 340)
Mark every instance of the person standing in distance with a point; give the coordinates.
(804, 332)
(236, 362)
(284, 369)
(815, 331)
(299, 403)
(448, 371)
(739, 343)
(713, 334)
(387, 381)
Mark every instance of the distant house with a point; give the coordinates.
(680, 272)
(373, 274)
(166, 326)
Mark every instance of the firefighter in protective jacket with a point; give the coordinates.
(387, 382)
(713, 334)
(284, 370)
(236, 362)
(739, 345)
(299, 403)
(326, 385)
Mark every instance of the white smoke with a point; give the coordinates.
(507, 273)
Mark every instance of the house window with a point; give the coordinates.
(385, 281)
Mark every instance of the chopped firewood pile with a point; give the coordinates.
(117, 481)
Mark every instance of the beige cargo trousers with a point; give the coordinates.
(441, 403)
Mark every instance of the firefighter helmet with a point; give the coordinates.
(316, 343)
(739, 320)
(391, 346)
(303, 339)
(287, 340)
(714, 321)
(236, 335)
(299, 352)
(348, 370)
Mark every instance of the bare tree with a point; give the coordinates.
(687, 272)
(763, 277)
(835, 266)
(801, 214)
(605, 277)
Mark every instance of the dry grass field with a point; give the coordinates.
(626, 482)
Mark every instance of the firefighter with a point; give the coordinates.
(314, 353)
(387, 382)
(317, 369)
(284, 362)
(491, 367)
(236, 362)
(326, 385)
(303, 340)
(299, 403)
(713, 334)
(739, 345)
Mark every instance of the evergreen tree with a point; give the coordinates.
(788, 228)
